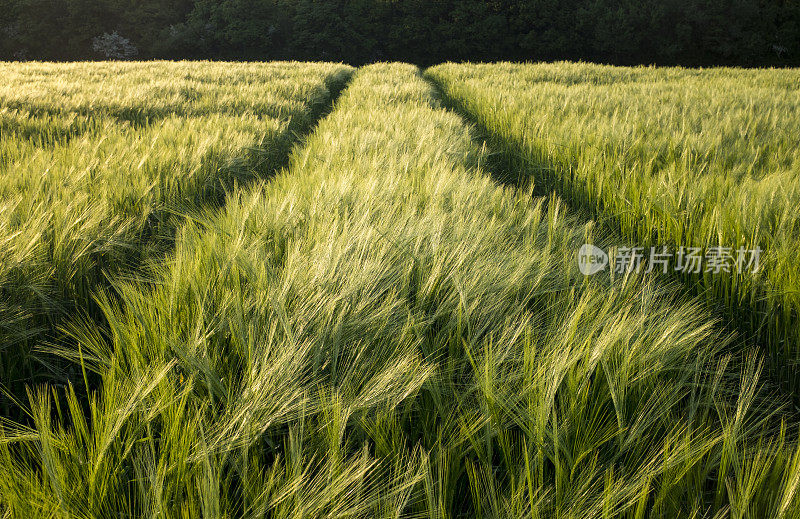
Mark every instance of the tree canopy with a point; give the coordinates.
(686, 32)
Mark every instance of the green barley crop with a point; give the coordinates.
(96, 159)
(383, 331)
(677, 157)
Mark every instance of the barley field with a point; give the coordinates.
(291, 290)
(100, 163)
(665, 157)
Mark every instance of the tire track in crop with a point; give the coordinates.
(509, 165)
(158, 240)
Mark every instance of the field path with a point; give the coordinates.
(383, 331)
(512, 164)
(129, 152)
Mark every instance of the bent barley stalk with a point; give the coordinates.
(668, 156)
(95, 160)
(383, 331)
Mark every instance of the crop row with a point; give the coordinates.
(100, 162)
(383, 331)
(705, 159)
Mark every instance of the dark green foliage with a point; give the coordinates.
(688, 32)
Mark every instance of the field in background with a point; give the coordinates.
(675, 157)
(99, 163)
(383, 329)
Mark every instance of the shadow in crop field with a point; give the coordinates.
(38, 121)
(33, 317)
(510, 163)
(43, 134)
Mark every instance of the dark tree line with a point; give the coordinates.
(688, 32)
